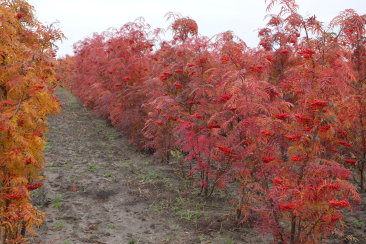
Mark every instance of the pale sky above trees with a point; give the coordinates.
(80, 18)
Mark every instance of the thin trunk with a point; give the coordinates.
(238, 209)
(202, 177)
(293, 229)
(298, 231)
(2, 235)
(280, 230)
(24, 229)
(206, 188)
(362, 176)
(363, 139)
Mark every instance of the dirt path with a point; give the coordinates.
(87, 195)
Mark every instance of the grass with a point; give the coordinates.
(112, 226)
(229, 241)
(57, 205)
(37, 193)
(194, 203)
(152, 177)
(189, 209)
(92, 167)
(131, 241)
(47, 148)
(126, 166)
(359, 223)
(190, 215)
(112, 135)
(87, 205)
(57, 199)
(156, 208)
(56, 202)
(69, 165)
(59, 225)
(171, 237)
(176, 227)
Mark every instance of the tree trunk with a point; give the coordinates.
(2, 235)
(293, 230)
(362, 178)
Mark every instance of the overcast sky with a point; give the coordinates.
(80, 18)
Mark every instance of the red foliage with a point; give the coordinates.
(287, 207)
(267, 159)
(34, 186)
(349, 160)
(295, 137)
(225, 150)
(282, 116)
(334, 218)
(296, 158)
(342, 203)
(278, 181)
(224, 108)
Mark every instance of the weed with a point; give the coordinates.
(156, 208)
(359, 223)
(229, 241)
(92, 167)
(112, 226)
(171, 237)
(37, 193)
(69, 165)
(152, 177)
(112, 136)
(47, 147)
(59, 225)
(169, 185)
(176, 227)
(56, 202)
(57, 199)
(57, 205)
(125, 166)
(131, 241)
(175, 208)
(87, 205)
(190, 215)
(50, 164)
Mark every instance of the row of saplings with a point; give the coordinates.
(283, 123)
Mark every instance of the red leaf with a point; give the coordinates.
(296, 158)
(350, 160)
(177, 85)
(159, 122)
(267, 159)
(342, 203)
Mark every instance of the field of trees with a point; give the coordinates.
(280, 128)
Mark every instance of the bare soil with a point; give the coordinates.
(100, 189)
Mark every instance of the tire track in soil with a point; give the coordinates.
(87, 196)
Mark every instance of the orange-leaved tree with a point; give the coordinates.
(27, 82)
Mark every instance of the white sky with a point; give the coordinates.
(80, 18)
